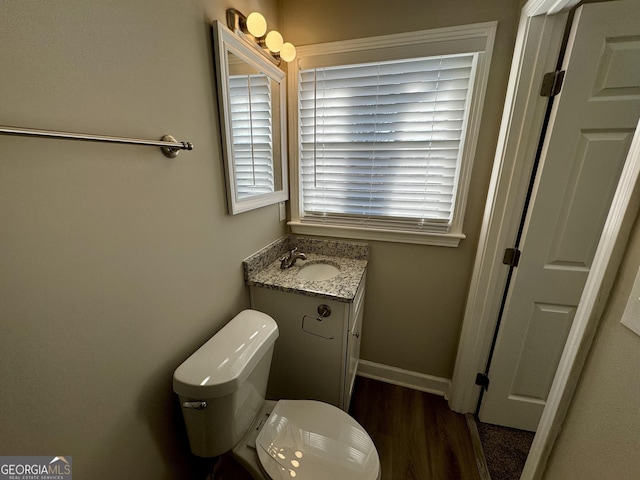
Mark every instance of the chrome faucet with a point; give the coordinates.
(289, 260)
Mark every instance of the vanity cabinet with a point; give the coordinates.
(315, 356)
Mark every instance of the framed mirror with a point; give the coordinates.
(252, 103)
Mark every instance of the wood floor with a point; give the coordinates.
(417, 436)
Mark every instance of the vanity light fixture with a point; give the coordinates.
(256, 24)
(288, 52)
(274, 41)
(253, 28)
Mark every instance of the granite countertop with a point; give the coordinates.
(262, 269)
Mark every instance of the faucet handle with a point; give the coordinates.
(288, 255)
(287, 261)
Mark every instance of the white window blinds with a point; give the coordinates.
(382, 142)
(251, 124)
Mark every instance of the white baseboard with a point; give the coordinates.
(404, 378)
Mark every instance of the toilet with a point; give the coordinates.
(222, 388)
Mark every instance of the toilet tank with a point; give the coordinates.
(229, 373)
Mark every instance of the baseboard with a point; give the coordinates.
(404, 378)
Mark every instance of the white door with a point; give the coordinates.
(590, 130)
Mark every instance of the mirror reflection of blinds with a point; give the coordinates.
(251, 124)
(381, 143)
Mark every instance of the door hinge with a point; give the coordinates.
(511, 257)
(552, 83)
(482, 380)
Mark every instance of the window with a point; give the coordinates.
(250, 106)
(385, 133)
(383, 140)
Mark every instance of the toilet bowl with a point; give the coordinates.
(221, 388)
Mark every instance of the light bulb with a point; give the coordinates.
(273, 41)
(288, 52)
(256, 24)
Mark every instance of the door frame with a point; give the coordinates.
(538, 43)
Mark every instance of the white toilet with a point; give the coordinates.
(222, 388)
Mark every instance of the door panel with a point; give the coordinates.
(546, 333)
(590, 130)
(583, 210)
(617, 73)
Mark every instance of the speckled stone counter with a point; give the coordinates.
(262, 269)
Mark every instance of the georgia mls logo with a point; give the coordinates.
(35, 468)
(64, 465)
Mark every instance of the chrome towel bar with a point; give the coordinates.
(169, 146)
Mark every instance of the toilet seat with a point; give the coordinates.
(307, 439)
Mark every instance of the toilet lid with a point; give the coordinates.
(305, 439)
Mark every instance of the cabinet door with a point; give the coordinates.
(307, 364)
(353, 344)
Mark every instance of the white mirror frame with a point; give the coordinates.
(226, 42)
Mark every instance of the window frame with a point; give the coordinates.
(475, 38)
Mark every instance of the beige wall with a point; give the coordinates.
(416, 294)
(115, 262)
(600, 437)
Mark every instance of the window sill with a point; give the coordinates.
(378, 234)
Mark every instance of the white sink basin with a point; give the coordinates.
(318, 271)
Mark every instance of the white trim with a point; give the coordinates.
(536, 52)
(548, 7)
(404, 378)
(615, 234)
(484, 32)
(379, 234)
